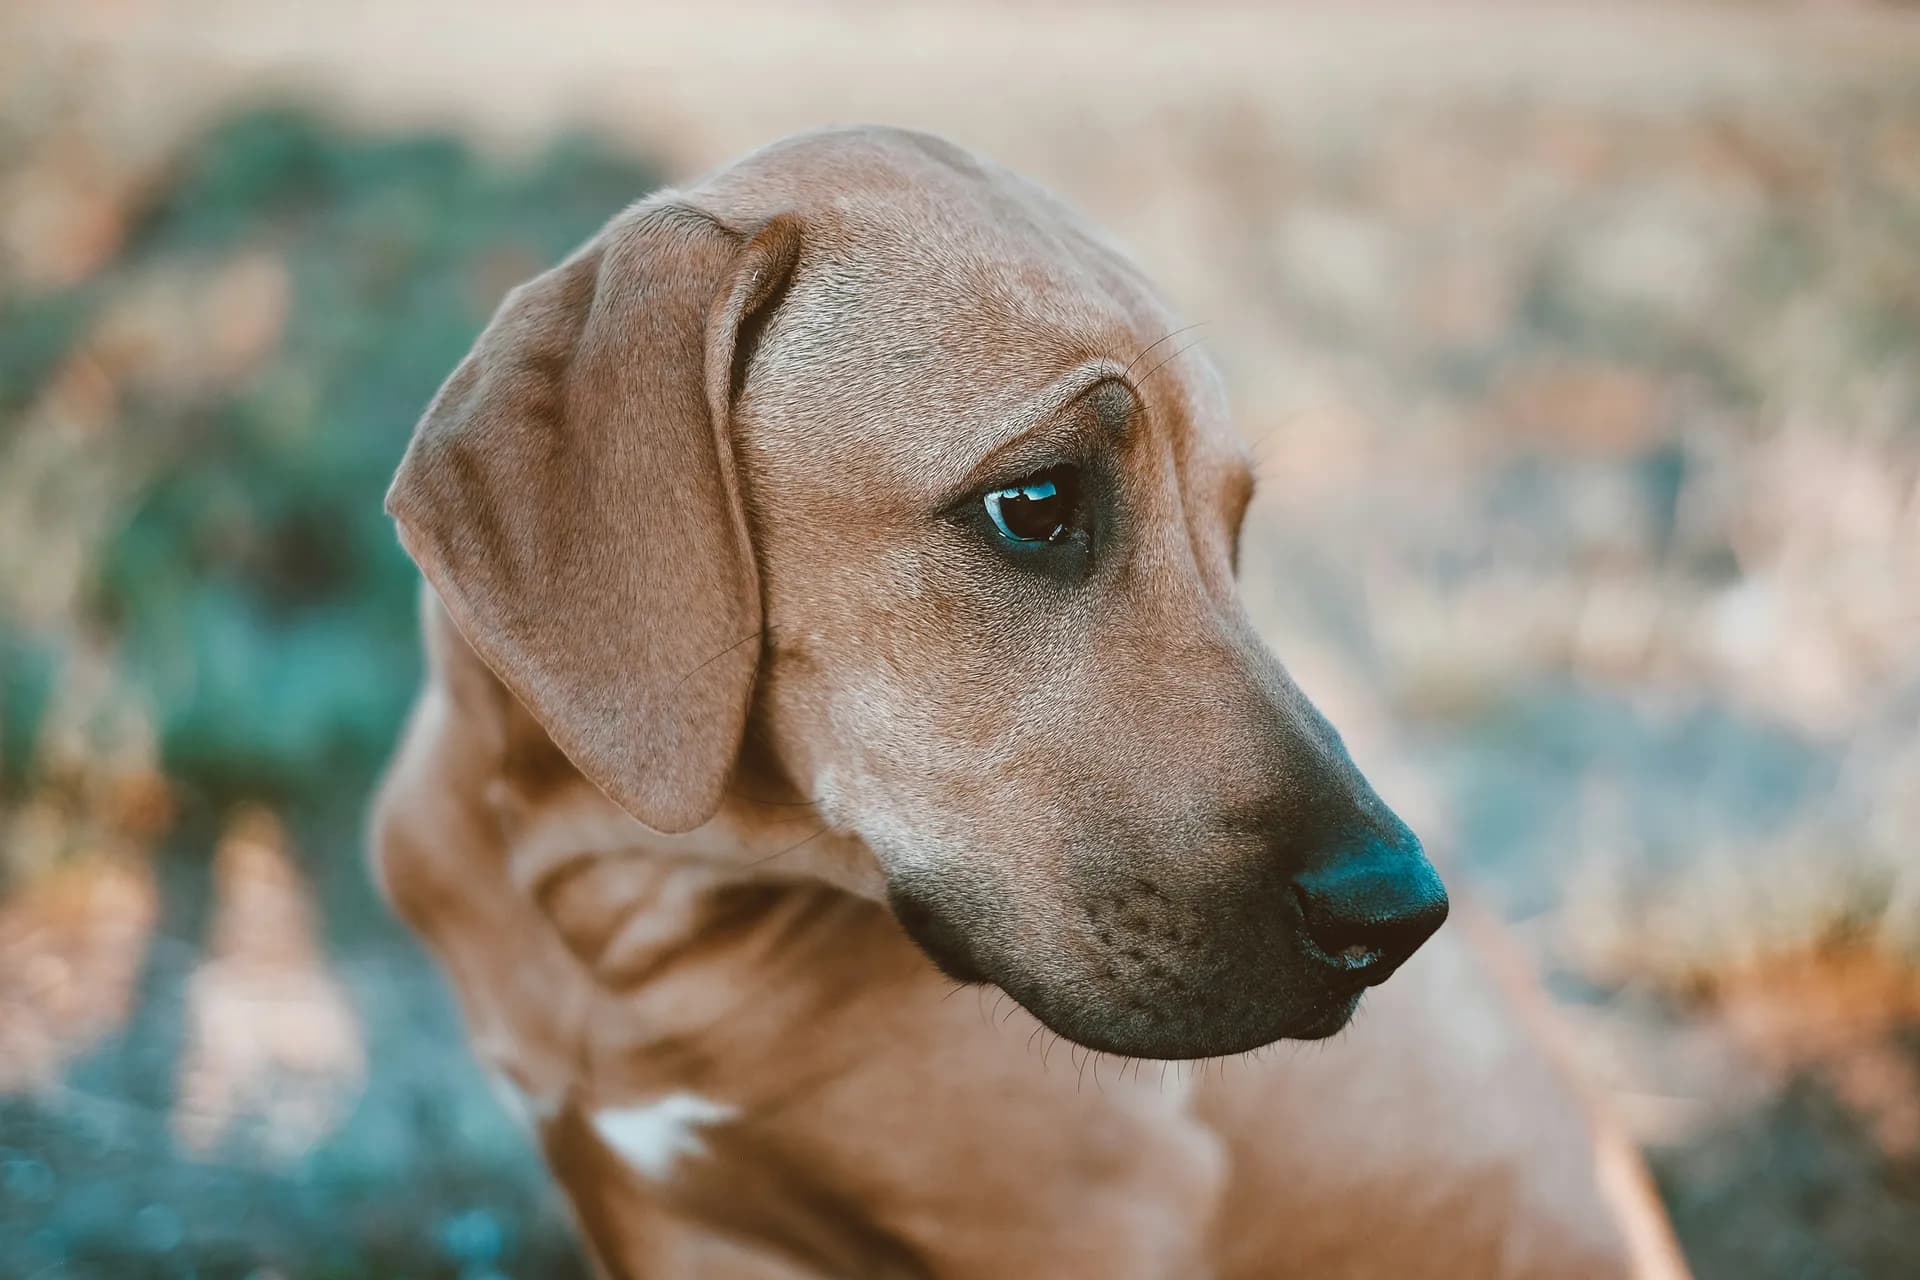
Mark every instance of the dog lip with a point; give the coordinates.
(946, 946)
(1318, 1017)
(1329, 1018)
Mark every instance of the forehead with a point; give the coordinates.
(941, 303)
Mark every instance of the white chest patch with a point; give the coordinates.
(650, 1136)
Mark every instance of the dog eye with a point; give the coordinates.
(1040, 509)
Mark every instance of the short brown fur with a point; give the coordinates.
(721, 693)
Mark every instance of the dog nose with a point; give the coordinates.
(1369, 909)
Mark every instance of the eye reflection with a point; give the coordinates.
(1040, 509)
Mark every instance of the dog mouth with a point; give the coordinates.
(1154, 1011)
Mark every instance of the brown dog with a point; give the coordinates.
(843, 544)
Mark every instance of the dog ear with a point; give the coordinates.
(571, 495)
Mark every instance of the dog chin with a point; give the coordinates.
(1330, 1020)
(1135, 1032)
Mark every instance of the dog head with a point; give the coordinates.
(877, 458)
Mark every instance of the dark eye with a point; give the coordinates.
(1040, 509)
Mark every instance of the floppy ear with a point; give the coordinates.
(571, 496)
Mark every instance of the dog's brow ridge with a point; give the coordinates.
(1044, 411)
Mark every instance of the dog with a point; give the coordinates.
(831, 618)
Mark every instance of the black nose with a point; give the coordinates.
(1369, 908)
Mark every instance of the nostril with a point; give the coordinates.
(1367, 916)
(1341, 939)
(1347, 941)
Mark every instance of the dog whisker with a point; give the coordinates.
(1169, 360)
(771, 803)
(1172, 333)
(755, 634)
(1271, 435)
(790, 848)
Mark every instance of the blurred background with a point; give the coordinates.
(1580, 348)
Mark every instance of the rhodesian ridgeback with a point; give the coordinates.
(831, 609)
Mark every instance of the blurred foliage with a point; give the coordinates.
(203, 604)
(250, 590)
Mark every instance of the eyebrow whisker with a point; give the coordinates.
(1169, 360)
(1173, 333)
